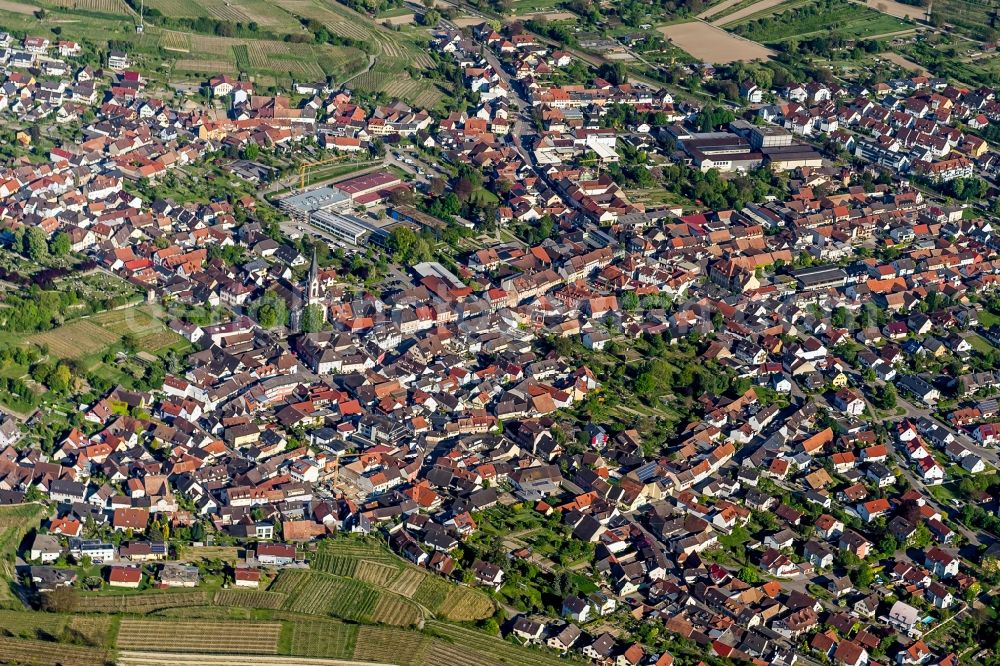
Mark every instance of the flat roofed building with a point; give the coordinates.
(303, 204)
(347, 228)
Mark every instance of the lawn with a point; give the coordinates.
(980, 344)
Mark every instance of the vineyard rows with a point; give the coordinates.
(375, 573)
(44, 653)
(201, 636)
(140, 603)
(330, 640)
(339, 565)
(249, 599)
(391, 646)
(485, 646)
(396, 610)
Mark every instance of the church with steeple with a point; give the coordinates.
(308, 293)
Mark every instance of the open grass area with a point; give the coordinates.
(15, 522)
(92, 630)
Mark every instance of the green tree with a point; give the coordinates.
(36, 245)
(272, 312)
(61, 244)
(863, 576)
(312, 319)
(630, 301)
(748, 575)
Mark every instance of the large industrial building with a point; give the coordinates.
(329, 208)
(346, 227)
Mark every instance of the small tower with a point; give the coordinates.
(142, 8)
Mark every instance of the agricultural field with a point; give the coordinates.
(250, 599)
(314, 593)
(113, 7)
(15, 521)
(464, 604)
(201, 636)
(386, 645)
(322, 594)
(372, 563)
(432, 592)
(897, 9)
(376, 574)
(744, 11)
(971, 17)
(847, 19)
(407, 583)
(89, 336)
(482, 648)
(171, 40)
(93, 630)
(394, 50)
(338, 565)
(711, 44)
(75, 339)
(142, 602)
(45, 653)
(718, 9)
(442, 653)
(395, 610)
(317, 638)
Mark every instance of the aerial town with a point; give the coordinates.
(524, 341)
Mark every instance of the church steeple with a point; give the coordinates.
(313, 295)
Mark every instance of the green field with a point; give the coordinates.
(85, 340)
(848, 20)
(372, 564)
(15, 522)
(969, 16)
(192, 628)
(92, 630)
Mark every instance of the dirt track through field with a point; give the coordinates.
(711, 44)
(715, 9)
(747, 11)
